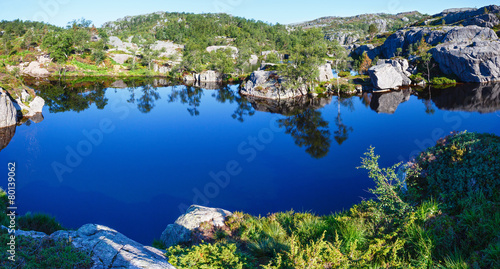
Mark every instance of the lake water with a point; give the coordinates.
(133, 158)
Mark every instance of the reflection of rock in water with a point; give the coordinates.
(389, 102)
(288, 106)
(204, 85)
(6, 135)
(37, 118)
(469, 97)
(120, 84)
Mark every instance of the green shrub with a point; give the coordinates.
(417, 78)
(344, 74)
(38, 222)
(442, 81)
(209, 256)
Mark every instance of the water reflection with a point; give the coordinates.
(388, 102)
(467, 97)
(341, 134)
(187, 95)
(6, 134)
(302, 118)
(309, 130)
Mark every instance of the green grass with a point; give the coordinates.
(38, 253)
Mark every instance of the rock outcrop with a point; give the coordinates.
(124, 46)
(111, 249)
(389, 102)
(471, 16)
(8, 112)
(471, 62)
(325, 73)
(181, 231)
(208, 76)
(32, 107)
(215, 48)
(472, 53)
(370, 49)
(434, 36)
(390, 74)
(485, 20)
(344, 38)
(267, 84)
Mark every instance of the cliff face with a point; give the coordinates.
(471, 53)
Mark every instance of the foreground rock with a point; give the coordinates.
(267, 84)
(111, 249)
(389, 102)
(390, 74)
(8, 113)
(181, 231)
(471, 62)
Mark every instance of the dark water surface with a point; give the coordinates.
(132, 158)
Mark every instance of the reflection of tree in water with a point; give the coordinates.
(147, 101)
(225, 94)
(342, 132)
(61, 96)
(310, 130)
(187, 95)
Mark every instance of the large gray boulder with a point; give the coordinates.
(388, 102)
(8, 113)
(471, 62)
(325, 73)
(208, 76)
(111, 249)
(390, 74)
(182, 229)
(267, 84)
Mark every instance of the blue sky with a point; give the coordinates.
(59, 12)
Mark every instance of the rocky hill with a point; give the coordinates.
(348, 30)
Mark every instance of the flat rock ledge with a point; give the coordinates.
(108, 248)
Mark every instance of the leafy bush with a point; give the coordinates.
(209, 256)
(344, 74)
(417, 78)
(442, 81)
(38, 222)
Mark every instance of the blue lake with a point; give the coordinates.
(133, 158)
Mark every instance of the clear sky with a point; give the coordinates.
(59, 12)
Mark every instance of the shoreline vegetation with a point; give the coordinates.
(443, 214)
